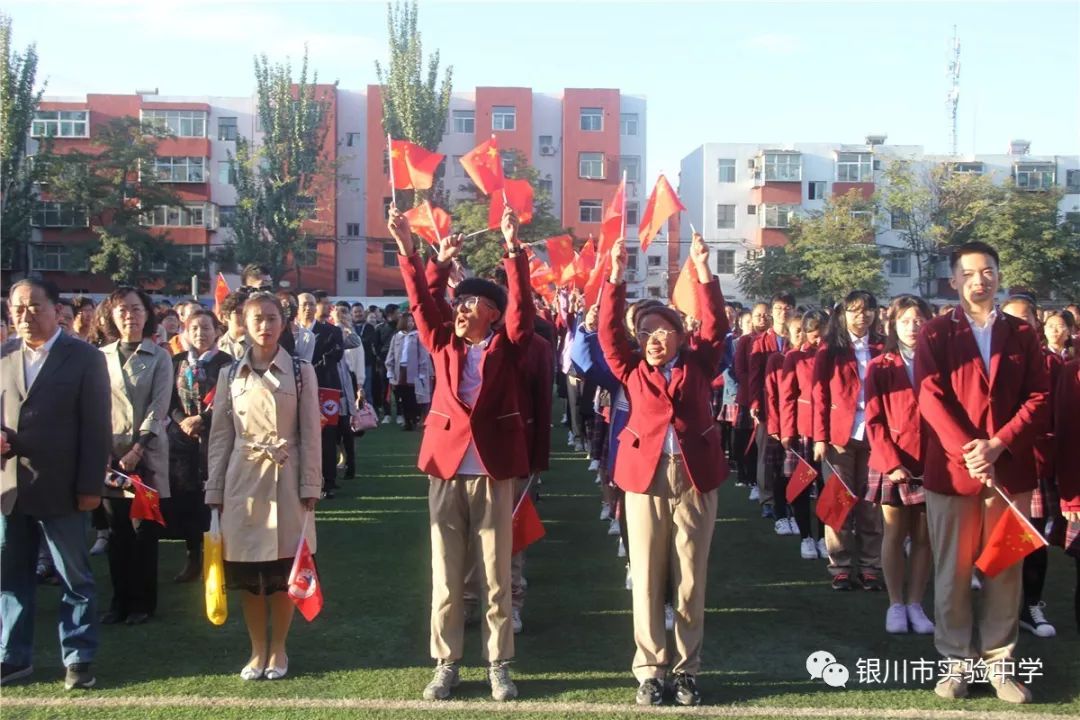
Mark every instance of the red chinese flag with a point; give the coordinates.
(612, 227)
(800, 480)
(569, 273)
(662, 204)
(420, 222)
(221, 291)
(519, 193)
(586, 261)
(330, 404)
(147, 502)
(208, 399)
(484, 165)
(304, 588)
(560, 252)
(540, 273)
(684, 295)
(413, 166)
(527, 526)
(599, 273)
(835, 503)
(1012, 540)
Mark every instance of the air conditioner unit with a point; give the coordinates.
(547, 149)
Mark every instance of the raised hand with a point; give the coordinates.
(509, 227)
(398, 225)
(618, 261)
(699, 256)
(449, 247)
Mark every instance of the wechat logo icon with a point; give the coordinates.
(822, 665)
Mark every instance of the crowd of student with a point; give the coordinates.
(924, 413)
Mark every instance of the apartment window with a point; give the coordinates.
(305, 203)
(352, 230)
(1035, 176)
(725, 216)
(725, 168)
(854, 167)
(308, 256)
(725, 262)
(1072, 220)
(751, 209)
(389, 254)
(631, 165)
(353, 139)
(49, 257)
(503, 117)
(864, 216)
(181, 169)
(592, 119)
(227, 128)
(464, 121)
(815, 190)
(509, 168)
(777, 216)
(654, 261)
(973, 168)
(654, 291)
(386, 203)
(628, 123)
(226, 215)
(631, 259)
(181, 123)
(783, 167)
(61, 123)
(631, 212)
(898, 220)
(590, 211)
(176, 216)
(591, 165)
(1072, 181)
(226, 172)
(545, 185)
(56, 214)
(196, 255)
(352, 275)
(900, 264)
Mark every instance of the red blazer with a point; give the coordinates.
(764, 346)
(1044, 443)
(893, 425)
(1067, 435)
(495, 423)
(836, 394)
(960, 401)
(742, 369)
(656, 402)
(796, 391)
(773, 368)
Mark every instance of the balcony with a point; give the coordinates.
(1034, 176)
(780, 166)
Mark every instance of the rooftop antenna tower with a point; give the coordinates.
(953, 98)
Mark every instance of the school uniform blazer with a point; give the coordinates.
(893, 425)
(765, 345)
(961, 400)
(656, 402)
(742, 369)
(836, 393)
(774, 366)
(495, 423)
(1044, 443)
(796, 391)
(1067, 435)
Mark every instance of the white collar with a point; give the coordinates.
(45, 348)
(990, 320)
(859, 343)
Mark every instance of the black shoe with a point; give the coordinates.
(10, 673)
(686, 692)
(137, 618)
(650, 692)
(842, 582)
(767, 512)
(79, 677)
(871, 582)
(112, 618)
(192, 571)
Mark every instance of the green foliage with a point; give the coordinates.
(910, 198)
(774, 270)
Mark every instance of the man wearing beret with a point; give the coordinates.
(475, 443)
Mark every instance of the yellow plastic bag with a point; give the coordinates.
(217, 609)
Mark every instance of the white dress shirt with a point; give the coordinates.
(472, 375)
(983, 335)
(671, 441)
(862, 359)
(34, 360)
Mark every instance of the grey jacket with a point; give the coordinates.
(59, 429)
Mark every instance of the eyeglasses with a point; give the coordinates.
(469, 302)
(661, 334)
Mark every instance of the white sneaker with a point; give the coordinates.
(564, 419)
(920, 624)
(515, 620)
(605, 511)
(781, 527)
(386, 420)
(1033, 620)
(614, 528)
(594, 466)
(599, 479)
(669, 617)
(400, 420)
(896, 619)
(808, 549)
(100, 546)
(579, 446)
(793, 526)
(629, 580)
(502, 687)
(446, 678)
(754, 494)
(822, 549)
(570, 438)
(621, 552)
(976, 583)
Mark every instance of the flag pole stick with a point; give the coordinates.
(390, 158)
(478, 232)
(693, 230)
(838, 475)
(1019, 514)
(622, 229)
(523, 494)
(434, 225)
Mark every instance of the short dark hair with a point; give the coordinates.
(115, 298)
(81, 301)
(233, 301)
(972, 247)
(254, 270)
(786, 298)
(66, 303)
(320, 296)
(390, 308)
(815, 320)
(344, 304)
(356, 305)
(201, 313)
(52, 293)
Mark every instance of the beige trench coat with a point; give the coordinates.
(141, 390)
(258, 423)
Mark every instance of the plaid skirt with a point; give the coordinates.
(1072, 540)
(1045, 495)
(728, 413)
(882, 491)
(774, 453)
(802, 446)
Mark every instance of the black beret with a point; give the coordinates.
(482, 288)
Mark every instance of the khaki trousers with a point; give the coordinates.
(470, 516)
(959, 526)
(517, 566)
(670, 528)
(857, 547)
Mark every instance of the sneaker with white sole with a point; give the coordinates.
(614, 528)
(822, 549)
(629, 579)
(446, 678)
(605, 511)
(400, 420)
(781, 527)
(669, 617)
(754, 494)
(808, 549)
(896, 620)
(570, 439)
(579, 446)
(515, 620)
(502, 687)
(594, 465)
(100, 546)
(920, 624)
(386, 420)
(1033, 620)
(599, 479)
(621, 550)
(793, 526)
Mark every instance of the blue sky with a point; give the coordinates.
(712, 71)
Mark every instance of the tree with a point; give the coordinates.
(278, 182)
(18, 100)
(837, 248)
(115, 186)
(911, 195)
(774, 270)
(484, 251)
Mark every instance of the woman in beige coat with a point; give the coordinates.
(140, 372)
(265, 475)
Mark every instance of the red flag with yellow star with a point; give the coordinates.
(835, 502)
(413, 166)
(663, 203)
(519, 194)
(484, 165)
(1012, 540)
(430, 223)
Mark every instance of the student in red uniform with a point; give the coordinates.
(670, 462)
(746, 458)
(797, 426)
(840, 436)
(475, 443)
(773, 340)
(1067, 437)
(983, 393)
(1057, 332)
(896, 466)
(775, 452)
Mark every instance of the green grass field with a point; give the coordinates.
(366, 655)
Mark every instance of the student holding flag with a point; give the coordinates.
(982, 388)
(773, 340)
(896, 466)
(264, 469)
(670, 462)
(779, 463)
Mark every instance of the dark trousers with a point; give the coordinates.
(405, 397)
(133, 559)
(188, 518)
(745, 461)
(329, 456)
(1034, 575)
(380, 399)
